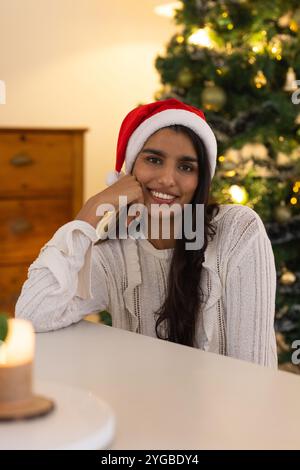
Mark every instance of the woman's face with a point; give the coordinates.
(167, 168)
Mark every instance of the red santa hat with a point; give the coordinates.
(143, 121)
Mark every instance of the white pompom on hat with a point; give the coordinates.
(145, 120)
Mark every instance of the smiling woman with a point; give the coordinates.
(162, 170)
(219, 297)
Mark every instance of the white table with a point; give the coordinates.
(168, 396)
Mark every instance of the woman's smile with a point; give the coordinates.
(161, 197)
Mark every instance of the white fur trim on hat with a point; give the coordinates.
(112, 177)
(167, 118)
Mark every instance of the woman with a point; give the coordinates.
(218, 298)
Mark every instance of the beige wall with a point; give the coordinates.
(80, 63)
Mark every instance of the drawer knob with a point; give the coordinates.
(21, 159)
(20, 225)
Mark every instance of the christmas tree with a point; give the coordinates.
(238, 60)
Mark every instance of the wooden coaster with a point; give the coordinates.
(33, 407)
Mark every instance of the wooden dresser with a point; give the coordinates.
(41, 188)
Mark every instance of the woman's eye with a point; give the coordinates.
(187, 168)
(154, 160)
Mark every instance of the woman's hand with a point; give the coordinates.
(126, 186)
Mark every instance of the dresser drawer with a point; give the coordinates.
(25, 226)
(12, 279)
(35, 164)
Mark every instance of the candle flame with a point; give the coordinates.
(18, 347)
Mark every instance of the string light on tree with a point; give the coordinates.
(258, 42)
(230, 174)
(180, 39)
(206, 38)
(224, 19)
(293, 201)
(275, 47)
(201, 38)
(238, 194)
(296, 186)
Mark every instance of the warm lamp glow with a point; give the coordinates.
(168, 10)
(18, 347)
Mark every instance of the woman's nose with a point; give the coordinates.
(167, 177)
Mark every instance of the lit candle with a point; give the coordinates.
(16, 360)
(18, 347)
(16, 357)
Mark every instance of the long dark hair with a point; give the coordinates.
(178, 314)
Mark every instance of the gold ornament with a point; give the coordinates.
(287, 277)
(213, 97)
(260, 79)
(185, 78)
(282, 213)
(290, 82)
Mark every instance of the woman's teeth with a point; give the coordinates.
(162, 195)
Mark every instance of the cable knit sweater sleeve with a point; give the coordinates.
(250, 293)
(64, 283)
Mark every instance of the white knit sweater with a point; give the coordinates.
(73, 276)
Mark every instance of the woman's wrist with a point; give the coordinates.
(89, 211)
